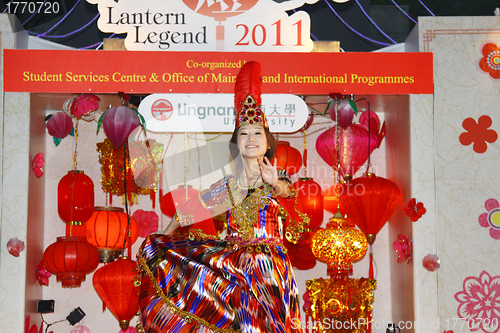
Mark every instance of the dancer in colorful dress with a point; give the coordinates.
(245, 281)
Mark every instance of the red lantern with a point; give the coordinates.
(287, 157)
(370, 201)
(75, 197)
(107, 230)
(173, 199)
(300, 254)
(115, 285)
(70, 259)
(331, 199)
(118, 122)
(310, 196)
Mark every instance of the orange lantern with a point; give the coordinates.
(310, 196)
(75, 197)
(115, 283)
(70, 259)
(339, 245)
(173, 199)
(370, 201)
(110, 231)
(287, 157)
(331, 199)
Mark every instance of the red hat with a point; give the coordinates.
(247, 91)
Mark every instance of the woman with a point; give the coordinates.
(244, 282)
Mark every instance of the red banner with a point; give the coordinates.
(132, 72)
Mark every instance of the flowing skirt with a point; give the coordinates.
(216, 286)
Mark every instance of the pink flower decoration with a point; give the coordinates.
(479, 303)
(431, 262)
(147, 221)
(491, 219)
(42, 274)
(37, 165)
(478, 133)
(307, 303)
(414, 210)
(15, 246)
(84, 104)
(404, 247)
(80, 329)
(130, 329)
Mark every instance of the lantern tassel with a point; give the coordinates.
(371, 276)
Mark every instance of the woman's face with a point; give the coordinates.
(252, 141)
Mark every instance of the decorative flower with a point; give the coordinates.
(490, 62)
(147, 221)
(478, 133)
(431, 262)
(307, 303)
(492, 218)
(404, 247)
(129, 329)
(42, 274)
(37, 164)
(84, 104)
(479, 304)
(15, 246)
(80, 329)
(414, 210)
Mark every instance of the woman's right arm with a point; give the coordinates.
(174, 224)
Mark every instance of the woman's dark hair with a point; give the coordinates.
(235, 152)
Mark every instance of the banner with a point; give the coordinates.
(145, 72)
(285, 113)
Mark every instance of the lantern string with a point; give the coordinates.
(75, 159)
(305, 153)
(126, 198)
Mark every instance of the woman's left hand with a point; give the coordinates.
(268, 171)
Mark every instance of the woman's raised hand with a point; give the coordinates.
(268, 171)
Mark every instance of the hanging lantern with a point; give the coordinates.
(107, 230)
(287, 157)
(116, 285)
(370, 201)
(331, 199)
(339, 245)
(75, 197)
(70, 259)
(343, 110)
(310, 196)
(173, 199)
(118, 122)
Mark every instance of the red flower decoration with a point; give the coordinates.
(490, 62)
(147, 221)
(478, 133)
(42, 274)
(404, 247)
(414, 210)
(84, 104)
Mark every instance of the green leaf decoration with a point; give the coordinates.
(99, 123)
(143, 122)
(353, 106)
(72, 133)
(57, 141)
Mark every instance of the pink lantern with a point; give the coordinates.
(118, 122)
(59, 125)
(353, 144)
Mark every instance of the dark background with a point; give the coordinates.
(325, 25)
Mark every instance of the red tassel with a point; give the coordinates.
(370, 271)
(371, 276)
(248, 81)
(304, 158)
(110, 199)
(152, 196)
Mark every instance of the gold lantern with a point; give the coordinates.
(339, 245)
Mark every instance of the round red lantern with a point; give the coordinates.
(107, 230)
(115, 284)
(331, 199)
(75, 197)
(70, 259)
(287, 157)
(310, 196)
(173, 199)
(370, 201)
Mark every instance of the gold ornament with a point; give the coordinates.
(339, 245)
(340, 306)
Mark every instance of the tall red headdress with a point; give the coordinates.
(247, 91)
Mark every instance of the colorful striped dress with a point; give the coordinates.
(242, 283)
